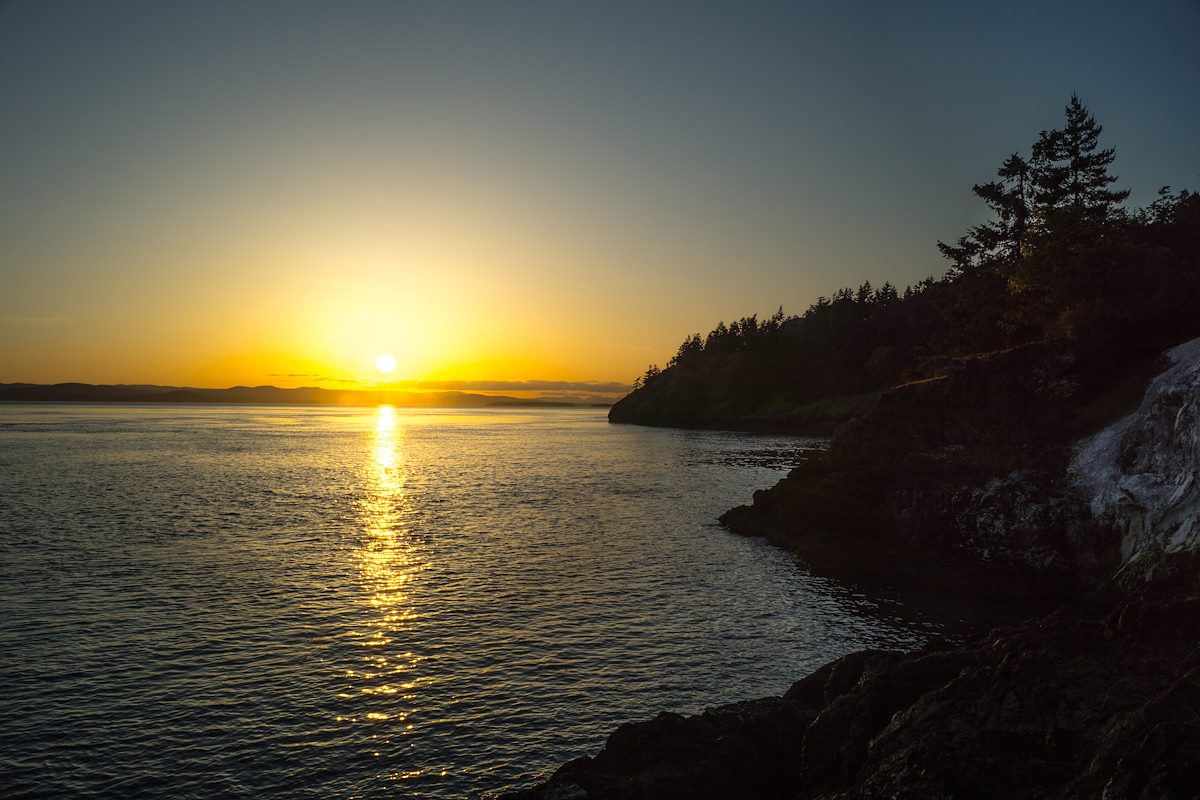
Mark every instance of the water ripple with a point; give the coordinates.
(311, 602)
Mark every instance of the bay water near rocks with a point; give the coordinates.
(206, 601)
(977, 473)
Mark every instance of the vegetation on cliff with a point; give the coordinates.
(1060, 259)
(987, 451)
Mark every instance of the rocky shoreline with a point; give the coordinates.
(956, 483)
(1069, 706)
(1024, 475)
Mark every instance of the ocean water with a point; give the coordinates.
(210, 601)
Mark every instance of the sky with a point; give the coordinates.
(211, 194)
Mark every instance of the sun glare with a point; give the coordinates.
(386, 363)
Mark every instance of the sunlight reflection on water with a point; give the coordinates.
(388, 562)
(324, 602)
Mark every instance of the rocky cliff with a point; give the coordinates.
(954, 482)
(1065, 707)
(991, 477)
(980, 478)
(1141, 476)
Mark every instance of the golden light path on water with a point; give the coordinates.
(368, 603)
(385, 682)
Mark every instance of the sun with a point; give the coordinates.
(386, 363)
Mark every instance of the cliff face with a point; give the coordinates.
(955, 482)
(1142, 475)
(981, 475)
(981, 479)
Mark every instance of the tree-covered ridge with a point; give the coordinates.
(1061, 257)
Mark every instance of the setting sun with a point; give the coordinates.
(386, 363)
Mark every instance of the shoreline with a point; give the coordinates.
(1085, 705)
(973, 483)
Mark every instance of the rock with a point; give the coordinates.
(978, 480)
(749, 747)
(955, 483)
(982, 480)
(1141, 475)
(1071, 706)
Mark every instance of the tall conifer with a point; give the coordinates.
(1009, 198)
(1071, 172)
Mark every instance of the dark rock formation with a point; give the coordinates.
(1067, 707)
(978, 479)
(976, 482)
(1143, 476)
(957, 481)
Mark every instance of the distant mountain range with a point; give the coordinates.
(305, 395)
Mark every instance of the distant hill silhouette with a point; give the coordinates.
(306, 395)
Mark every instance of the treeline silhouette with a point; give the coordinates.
(1060, 258)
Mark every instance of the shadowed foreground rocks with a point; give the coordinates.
(957, 483)
(1005, 476)
(992, 479)
(1067, 707)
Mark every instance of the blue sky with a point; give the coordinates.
(620, 173)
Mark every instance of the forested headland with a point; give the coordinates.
(1061, 258)
(1018, 438)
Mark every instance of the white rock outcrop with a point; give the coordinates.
(1142, 474)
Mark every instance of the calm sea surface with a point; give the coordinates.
(208, 601)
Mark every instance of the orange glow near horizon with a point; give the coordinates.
(313, 319)
(305, 277)
(486, 272)
(460, 186)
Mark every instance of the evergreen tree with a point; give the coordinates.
(1049, 176)
(964, 255)
(1058, 258)
(689, 352)
(772, 325)
(1068, 261)
(886, 295)
(717, 338)
(1071, 172)
(1009, 198)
